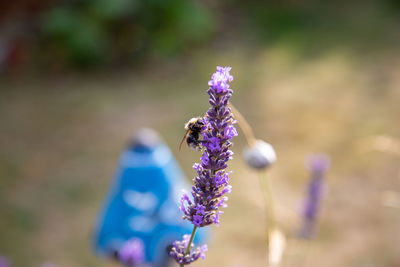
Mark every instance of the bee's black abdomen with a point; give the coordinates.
(195, 135)
(193, 141)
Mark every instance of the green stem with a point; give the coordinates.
(190, 242)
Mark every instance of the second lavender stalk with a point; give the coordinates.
(317, 165)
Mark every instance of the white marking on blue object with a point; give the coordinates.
(142, 224)
(146, 201)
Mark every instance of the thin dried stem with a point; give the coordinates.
(244, 125)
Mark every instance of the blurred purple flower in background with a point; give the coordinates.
(132, 252)
(4, 262)
(317, 165)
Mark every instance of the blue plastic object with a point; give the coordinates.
(143, 201)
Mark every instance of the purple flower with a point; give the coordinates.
(230, 132)
(196, 166)
(197, 220)
(204, 161)
(211, 182)
(222, 203)
(179, 248)
(219, 80)
(221, 178)
(4, 262)
(318, 165)
(132, 252)
(185, 200)
(200, 209)
(213, 144)
(216, 217)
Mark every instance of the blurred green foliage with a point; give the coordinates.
(313, 22)
(89, 32)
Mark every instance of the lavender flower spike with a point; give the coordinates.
(132, 252)
(211, 182)
(179, 248)
(318, 165)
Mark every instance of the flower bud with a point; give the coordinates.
(261, 156)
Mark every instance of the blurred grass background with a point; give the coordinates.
(79, 77)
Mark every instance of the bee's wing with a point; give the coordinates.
(183, 139)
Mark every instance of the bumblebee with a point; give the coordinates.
(193, 129)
